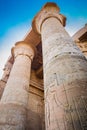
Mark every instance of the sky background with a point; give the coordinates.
(16, 17)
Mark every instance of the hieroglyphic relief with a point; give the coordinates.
(62, 112)
(81, 108)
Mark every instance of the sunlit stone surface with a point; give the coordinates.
(46, 70)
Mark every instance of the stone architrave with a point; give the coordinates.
(13, 105)
(65, 73)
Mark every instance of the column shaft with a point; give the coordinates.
(13, 105)
(65, 79)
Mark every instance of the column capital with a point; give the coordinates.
(23, 48)
(48, 10)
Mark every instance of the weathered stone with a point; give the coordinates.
(18, 83)
(2, 86)
(80, 38)
(13, 116)
(65, 78)
(5, 76)
(65, 74)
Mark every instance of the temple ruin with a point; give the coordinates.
(44, 84)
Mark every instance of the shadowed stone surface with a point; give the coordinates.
(13, 117)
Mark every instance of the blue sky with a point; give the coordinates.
(16, 17)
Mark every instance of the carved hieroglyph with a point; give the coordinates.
(13, 105)
(65, 73)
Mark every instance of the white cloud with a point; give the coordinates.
(13, 35)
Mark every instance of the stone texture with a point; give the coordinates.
(35, 113)
(2, 86)
(81, 35)
(33, 38)
(65, 79)
(5, 76)
(49, 10)
(65, 76)
(13, 117)
(83, 47)
(15, 92)
(80, 38)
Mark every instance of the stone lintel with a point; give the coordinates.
(80, 35)
(49, 10)
(32, 38)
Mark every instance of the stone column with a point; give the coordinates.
(65, 73)
(13, 105)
